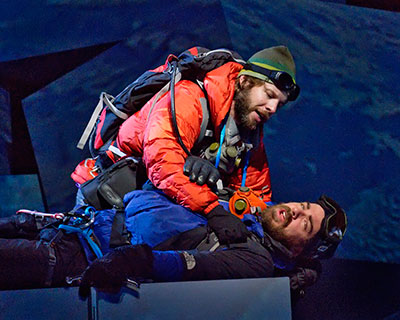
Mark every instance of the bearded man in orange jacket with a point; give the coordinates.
(240, 99)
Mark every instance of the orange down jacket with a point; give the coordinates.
(151, 137)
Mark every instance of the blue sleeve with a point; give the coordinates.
(167, 266)
(227, 264)
(249, 260)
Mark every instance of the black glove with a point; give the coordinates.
(227, 227)
(303, 277)
(201, 171)
(305, 274)
(110, 272)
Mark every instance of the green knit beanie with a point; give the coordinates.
(275, 58)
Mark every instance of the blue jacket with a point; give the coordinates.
(152, 218)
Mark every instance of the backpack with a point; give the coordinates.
(193, 64)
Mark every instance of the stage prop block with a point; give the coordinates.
(38, 304)
(218, 299)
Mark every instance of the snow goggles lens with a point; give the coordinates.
(335, 222)
(333, 228)
(282, 80)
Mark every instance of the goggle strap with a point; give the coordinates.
(266, 72)
(293, 89)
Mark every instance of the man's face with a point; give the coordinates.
(258, 104)
(293, 223)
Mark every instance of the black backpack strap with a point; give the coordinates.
(119, 234)
(173, 72)
(206, 136)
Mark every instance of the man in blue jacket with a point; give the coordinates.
(282, 239)
(285, 239)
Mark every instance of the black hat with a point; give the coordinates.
(333, 227)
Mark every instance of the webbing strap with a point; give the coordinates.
(241, 61)
(52, 258)
(90, 125)
(221, 141)
(209, 243)
(86, 233)
(204, 121)
(52, 265)
(158, 95)
(162, 91)
(116, 151)
(107, 99)
(246, 165)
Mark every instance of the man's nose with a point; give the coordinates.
(296, 212)
(272, 106)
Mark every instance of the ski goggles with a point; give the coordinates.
(282, 80)
(333, 228)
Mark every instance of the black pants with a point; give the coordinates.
(34, 256)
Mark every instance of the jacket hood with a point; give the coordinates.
(281, 255)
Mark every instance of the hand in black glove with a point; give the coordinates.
(302, 277)
(227, 227)
(201, 171)
(110, 272)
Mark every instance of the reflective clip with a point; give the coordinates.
(255, 210)
(220, 184)
(264, 190)
(190, 260)
(322, 248)
(132, 284)
(95, 171)
(71, 280)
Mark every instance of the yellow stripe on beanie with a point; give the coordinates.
(276, 58)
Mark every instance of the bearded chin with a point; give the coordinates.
(242, 111)
(274, 231)
(277, 232)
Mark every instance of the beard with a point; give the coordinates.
(242, 109)
(278, 232)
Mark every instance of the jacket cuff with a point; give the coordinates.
(217, 211)
(208, 209)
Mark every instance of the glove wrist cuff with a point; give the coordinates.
(129, 257)
(217, 211)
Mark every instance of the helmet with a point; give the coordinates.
(333, 227)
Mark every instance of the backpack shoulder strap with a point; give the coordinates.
(206, 125)
(108, 100)
(205, 120)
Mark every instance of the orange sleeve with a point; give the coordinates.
(164, 157)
